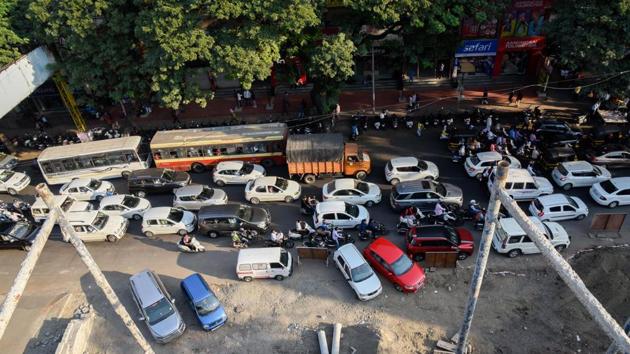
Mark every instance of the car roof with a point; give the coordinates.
(265, 181)
(114, 199)
(404, 161)
(157, 213)
(79, 182)
(220, 210)
(431, 231)
(621, 182)
(489, 156)
(196, 287)
(518, 174)
(191, 189)
(57, 199)
(81, 216)
(577, 166)
(351, 255)
(258, 255)
(330, 206)
(344, 183)
(147, 172)
(146, 288)
(230, 165)
(512, 228)
(386, 249)
(414, 186)
(554, 199)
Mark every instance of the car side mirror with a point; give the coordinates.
(173, 300)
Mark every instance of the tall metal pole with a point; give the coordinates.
(373, 84)
(99, 277)
(614, 349)
(26, 269)
(482, 254)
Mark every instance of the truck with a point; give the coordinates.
(310, 156)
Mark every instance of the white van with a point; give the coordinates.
(274, 262)
(520, 185)
(510, 239)
(40, 210)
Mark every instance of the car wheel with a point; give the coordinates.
(11, 191)
(514, 253)
(398, 288)
(567, 186)
(309, 179)
(461, 256)
(197, 168)
(279, 277)
(479, 176)
(213, 234)
(111, 238)
(394, 181)
(360, 175)
(254, 200)
(125, 174)
(247, 279)
(613, 205)
(418, 257)
(148, 234)
(580, 217)
(182, 232)
(140, 194)
(267, 163)
(288, 200)
(369, 203)
(560, 248)
(136, 217)
(26, 248)
(220, 183)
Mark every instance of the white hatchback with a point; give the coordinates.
(236, 172)
(409, 169)
(339, 214)
(13, 182)
(96, 226)
(557, 206)
(269, 189)
(87, 189)
(477, 164)
(353, 191)
(125, 205)
(612, 193)
(196, 196)
(167, 220)
(510, 239)
(357, 272)
(578, 174)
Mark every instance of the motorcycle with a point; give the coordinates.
(284, 243)
(308, 208)
(409, 123)
(193, 247)
(395, 122)
(314, 241)
(343, 240)
(374, 230)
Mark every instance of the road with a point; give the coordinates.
(60, 270)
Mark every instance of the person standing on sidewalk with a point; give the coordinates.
(335, 115)
(484, 100)
(519, 98)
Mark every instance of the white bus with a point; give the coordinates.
(100, 159)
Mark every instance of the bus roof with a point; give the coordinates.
(88, 148)
(230, 134)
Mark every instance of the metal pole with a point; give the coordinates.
(99, 277)
(568, 275)
(336, 339)
(323, 343)
(373, 85)
(482, 255)
(613, 349)
(26, 269)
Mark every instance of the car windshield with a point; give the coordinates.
(207, 305)
(608, 186)
(451, 234)
(95, 184)
(363, 187)
(352, 210)
(18, 230)
(474, 160)
(6, 175)
(282, 183)
(169, 175)
(158, 311)
(389, 166)
(65, 206)
(572, 202)
(440, 189)
(130, 201)
(206, 193)
(175, 215)
(247, 168)
(422, 165)
(284, 258)
(538, 204)
(100, 221)
(245, 213)
(402, 265)
(361, 273)
(563, 171)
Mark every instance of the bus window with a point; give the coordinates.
(85, 162)
(100, 160)
(115, 158)
(57, 166)
(130, 156)
(172, 154)
(46, 166)
(69, 164)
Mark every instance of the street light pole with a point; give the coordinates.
(373, 86)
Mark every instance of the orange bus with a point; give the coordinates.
(196, 149)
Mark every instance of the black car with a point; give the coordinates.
(20, 234)
(214, 220)
(156, 180)
(557, 127)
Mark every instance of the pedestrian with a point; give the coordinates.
(336, 113)
(175, 114)
(419, 129)
(484, 100)
(442, 70)
(511, 97)
(285, 104)
(239, 99)
(253, 99)
(519, 98)
(247, 97)
(489, 123)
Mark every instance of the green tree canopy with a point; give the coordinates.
(10, 41)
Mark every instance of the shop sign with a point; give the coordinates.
(529, 43)
(477, 48)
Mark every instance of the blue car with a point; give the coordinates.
(204, 303)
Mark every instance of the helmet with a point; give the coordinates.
(472, 202)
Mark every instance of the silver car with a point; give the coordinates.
(156, 306)
(196, 196)
(424, 194)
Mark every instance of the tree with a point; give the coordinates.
(10, 41)
(592, 36)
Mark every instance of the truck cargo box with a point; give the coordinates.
(315, 148)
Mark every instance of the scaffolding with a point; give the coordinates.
(69, 102)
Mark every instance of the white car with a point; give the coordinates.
(476, 165)
(269, 189)
(556, 207)
(510, 239)
(196, 196)
(578, 174)
(87, 189)
(521, 185)
(125, 205)
(339, 214)
(96, 226)
(7, 162)
(167, 220)
(13, 182)
(236, 172)
(612, 193)
(353, 191)
(408, 169)
(357, 272)
(40, 210)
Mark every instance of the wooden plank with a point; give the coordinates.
(446, 346)
(615, 221)
(438, 351)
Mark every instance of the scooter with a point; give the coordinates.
(395, 122)
(196, 246)
(285, 243)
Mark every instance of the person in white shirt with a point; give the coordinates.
(303, 228)
(277, 237)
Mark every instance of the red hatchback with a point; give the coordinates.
(394, 264)
(439, 238)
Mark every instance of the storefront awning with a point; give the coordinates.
(477, 48)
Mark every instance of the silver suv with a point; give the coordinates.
(424, 194)
(156, 306)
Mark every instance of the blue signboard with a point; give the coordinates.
(477, 48)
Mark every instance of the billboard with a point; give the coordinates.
(523, 19)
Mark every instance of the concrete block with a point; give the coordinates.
(76, 336)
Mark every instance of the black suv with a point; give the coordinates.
(156, 180)
(223, 219)
(20, 234)
(557, 127)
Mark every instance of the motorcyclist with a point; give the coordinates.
(337, 237)
(440, 212)
(304, 229)
(364, 229)
(475, 210)
(187, 241)
(277, 237)
(237, 241)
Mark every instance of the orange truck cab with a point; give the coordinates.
(356, 162)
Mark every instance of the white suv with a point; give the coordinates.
(556, 207)
(578, 174)
(339, 214)
(477, 164)
(167, 220)
(510, 239)
(96, 226)
(357, 272)
(409, 169)
(612, 193)
(236, 172)
(13, 182)
(269, 189)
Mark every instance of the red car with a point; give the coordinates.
(394, 264)
(439, 238)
